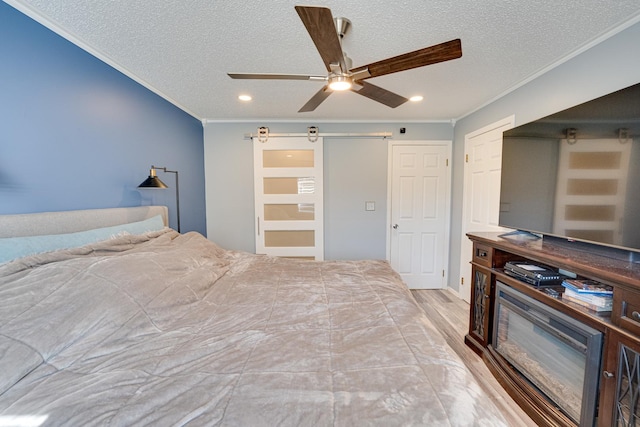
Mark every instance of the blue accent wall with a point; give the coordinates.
(77, 134)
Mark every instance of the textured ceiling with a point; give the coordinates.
(182, 50)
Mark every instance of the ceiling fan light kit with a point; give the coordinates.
(327, 33)
(340, 83)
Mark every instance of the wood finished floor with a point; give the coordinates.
(450, 315)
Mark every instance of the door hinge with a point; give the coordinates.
(447, 162)
(466, 158)
(462, 280)
(442, 273)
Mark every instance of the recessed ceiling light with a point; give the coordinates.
(244, 97)
(416, 98)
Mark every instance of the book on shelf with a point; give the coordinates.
(600, 300)
(597, 308)
(586, 286)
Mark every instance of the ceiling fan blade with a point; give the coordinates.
(418, 58)
(316, 100)
(320, 26)
(270, 76)
(378, 94)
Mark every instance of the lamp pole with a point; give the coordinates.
(154, 182)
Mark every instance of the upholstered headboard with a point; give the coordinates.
(34, 224)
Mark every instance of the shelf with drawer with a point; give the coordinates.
(626, 310)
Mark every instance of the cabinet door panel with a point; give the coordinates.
(620, 388)
(480, 307)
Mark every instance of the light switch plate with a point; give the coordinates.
(369, 206)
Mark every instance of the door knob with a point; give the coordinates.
(395, 226)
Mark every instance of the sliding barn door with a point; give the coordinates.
(289, 197)
(592, 189)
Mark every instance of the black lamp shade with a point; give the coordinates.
(153, 182)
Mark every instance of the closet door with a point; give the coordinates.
(289, 197)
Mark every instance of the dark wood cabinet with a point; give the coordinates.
(479, 311)
(618, 388)
(481, 288)
(621, 374)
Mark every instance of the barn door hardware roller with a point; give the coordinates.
(312, 133)
(263, 134)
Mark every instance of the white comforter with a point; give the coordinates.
(169, 329)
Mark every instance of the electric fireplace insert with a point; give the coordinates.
(558, 355)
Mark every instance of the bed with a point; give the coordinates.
(142, 325)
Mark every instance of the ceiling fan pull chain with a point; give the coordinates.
(312, 133)
(263, 134)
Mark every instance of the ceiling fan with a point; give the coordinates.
(327, 34)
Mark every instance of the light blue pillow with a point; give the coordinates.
(18, 247)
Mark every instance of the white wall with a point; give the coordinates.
(355, 171)
(609, 66)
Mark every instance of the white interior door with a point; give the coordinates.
(288, 193)
(481, 194)
(419, 213)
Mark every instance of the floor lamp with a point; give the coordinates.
(154, 182)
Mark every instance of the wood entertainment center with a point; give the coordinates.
(618, 388)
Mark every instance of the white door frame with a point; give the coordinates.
(448, 144)
(489, 211)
